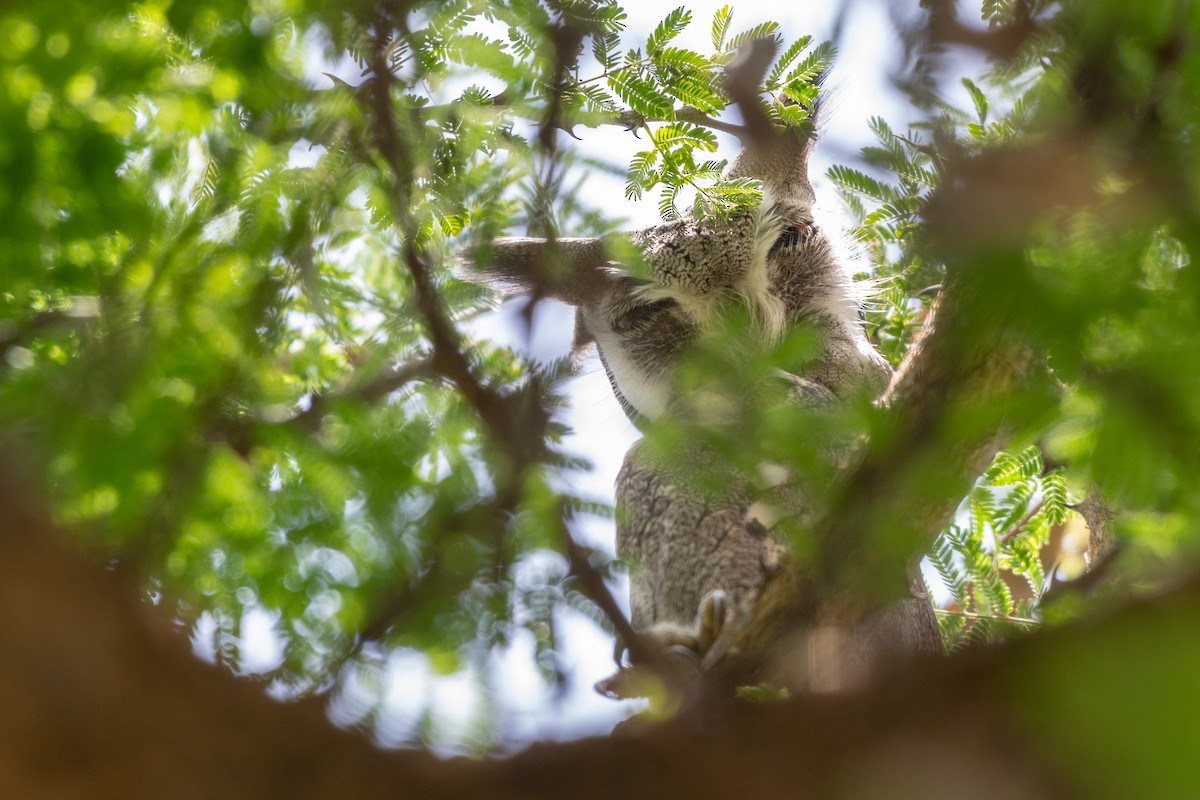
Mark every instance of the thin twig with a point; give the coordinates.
(947, 612)
(367, 392)
(592, 582)
(516, 433)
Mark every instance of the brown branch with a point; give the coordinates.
(514, 424)
(355, 391)
(592, 582)
(102, 698)
(14, 334)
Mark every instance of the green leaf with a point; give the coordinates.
(860, 182)
(1054, 496)
(605, 48)
(786, 60)
(696, 93)
(525, 45)
(666, 203)
(814, 65)
(670, 27)
(942, 560)
(1014, 506)
(591, 16)
(642, 173)
(685, 133)
(977, 96)
(803, 93)
(678, 61)
(720, 27)
(641, 95)
(1009, 467)
(760, 31)
(477, 50)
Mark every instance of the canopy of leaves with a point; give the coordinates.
(233, 351)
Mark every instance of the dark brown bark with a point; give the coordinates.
(102, 698)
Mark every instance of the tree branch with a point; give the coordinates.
(356, 390)
(102, 698)
(517, 426)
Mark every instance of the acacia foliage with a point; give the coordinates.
(229, 332)
(234, 351)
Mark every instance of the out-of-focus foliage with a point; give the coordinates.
(1006, 523)
(1104, 282)
(228, 330)
(229, 335)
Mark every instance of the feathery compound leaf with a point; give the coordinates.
(592, 16)
(785, 61)
(760, 31)
(642, 173)
(595, 98)
(814, 64)
(981, 631)
(998, 595)
(1011, 467)
(666, 203)
(1015, 505)
(735, 194)
(802, 93)
(476, 50)
(524, 45)
(696, 93)
(724, 198)
(883, 132)
(671, 26)
(977, 96)
(679, 60)
(641, 95)
(942, 559)
(789, 116)
(860, 182)
(605, 48)
(1054, 496)
(712, 167)
(1025, 561)
(720, 27)
(953, 630)
(206, 186)
(982, 505)
(683, 132)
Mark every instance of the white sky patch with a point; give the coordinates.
(260, 648)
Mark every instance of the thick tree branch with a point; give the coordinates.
(103, 699)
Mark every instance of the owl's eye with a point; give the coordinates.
(639, 317)
(794, 235)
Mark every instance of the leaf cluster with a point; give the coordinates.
(236, 359)
(992, 559)
(669, 92)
